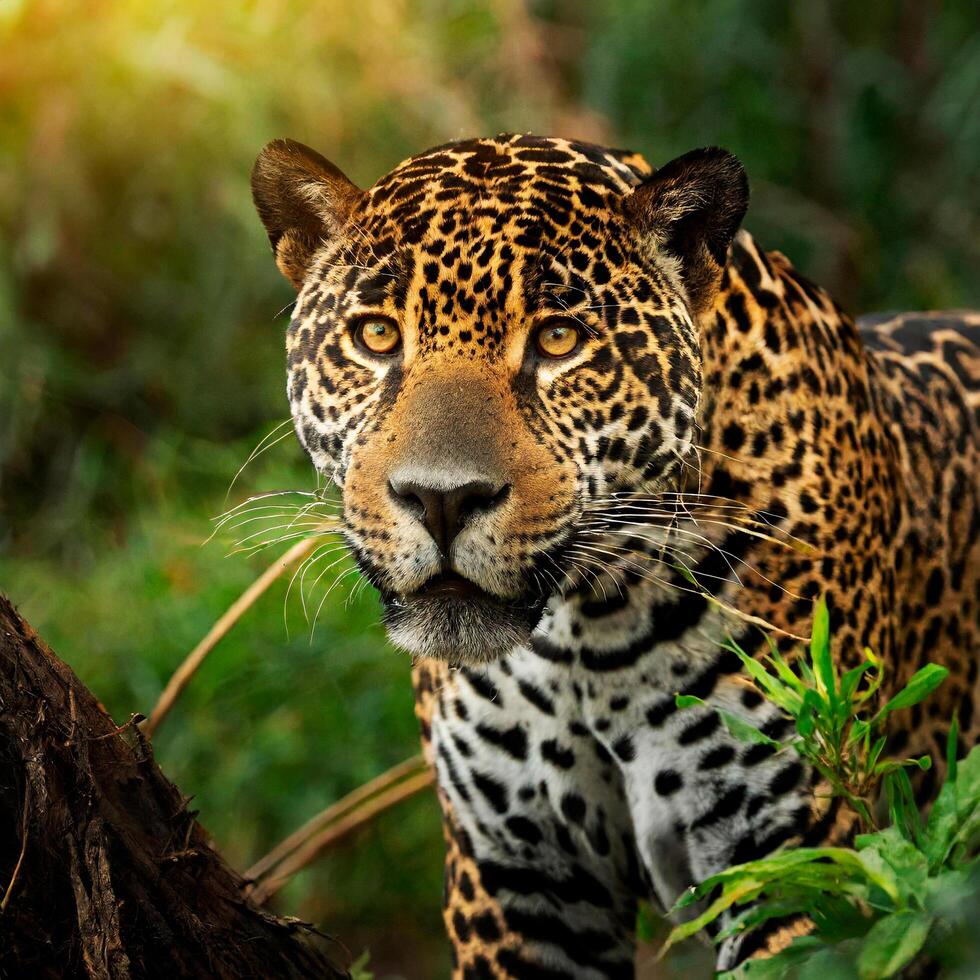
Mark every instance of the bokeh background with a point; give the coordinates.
(142, 322)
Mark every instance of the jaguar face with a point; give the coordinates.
(494, 337)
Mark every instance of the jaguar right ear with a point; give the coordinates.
(303, 201)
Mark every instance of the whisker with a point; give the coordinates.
(723, 606)
(294, 515)
(638, 534)
(636, 571)
(359, 589)
(259, 450)
(333, 585)
(745, 521)
(747, 528)
(319, 552)
(269, 494)
(705, 542)
(316, 525)
(558, 588)
(252, 506)
(303, 592)
(718, 452)
(598, 581)
(254, 549)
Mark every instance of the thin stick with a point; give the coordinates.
(300, 858)
(183, 674)
(333, 812)
(23, 848)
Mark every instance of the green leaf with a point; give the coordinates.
(805, 721)
(775, 690)
(823, 665)
(812, 709)
(955, 816)
(859, 730)
(827, 964)
(785, 672)
(359, 968)
(968, 775)
(942, 825)
(849, 682)
(951, 895)
(875, 682)
(921, 684)
(836, 862)
(742, 730)
(902, 809)
(756, 914)
(746, 732)
(876, 752)
(740, 891)
(784, 964)
(952, 748)
(908, 863)
(687, 700)
(892, 943)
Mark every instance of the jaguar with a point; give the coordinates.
(584, 430)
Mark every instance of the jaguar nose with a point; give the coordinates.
(445, 512)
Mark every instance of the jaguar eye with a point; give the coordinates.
(557, 338)
(378, 334)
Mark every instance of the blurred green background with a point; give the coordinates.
(142, 322)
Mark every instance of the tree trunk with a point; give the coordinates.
(104, 872)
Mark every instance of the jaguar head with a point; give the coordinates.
(493, 337)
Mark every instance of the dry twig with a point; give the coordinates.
(183, 674)
(277, 875)
(334, 812)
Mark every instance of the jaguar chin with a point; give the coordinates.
(451, 618)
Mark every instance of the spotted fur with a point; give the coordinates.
(724, 445)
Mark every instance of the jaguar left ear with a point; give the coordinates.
(691, 208)
(303, 201)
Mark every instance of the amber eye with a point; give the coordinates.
(379, 334)
(557, 338)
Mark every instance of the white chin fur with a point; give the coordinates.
(464, 631)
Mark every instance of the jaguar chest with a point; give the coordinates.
(575, 751)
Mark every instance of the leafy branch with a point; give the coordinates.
(833, 731)
(906, 891)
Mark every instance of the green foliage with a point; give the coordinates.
(902, 891)
(835, 733)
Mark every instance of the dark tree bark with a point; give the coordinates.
(104, 873)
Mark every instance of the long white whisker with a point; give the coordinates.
(259, 450)
(303, 592)
(254, 549)
(314, 525)
(704, 541)
(275, 516)
(636, 571)
(701, 539)
(319, 552)
(333, 585)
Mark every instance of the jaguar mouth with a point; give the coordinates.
(452, 618)
(452, 585)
